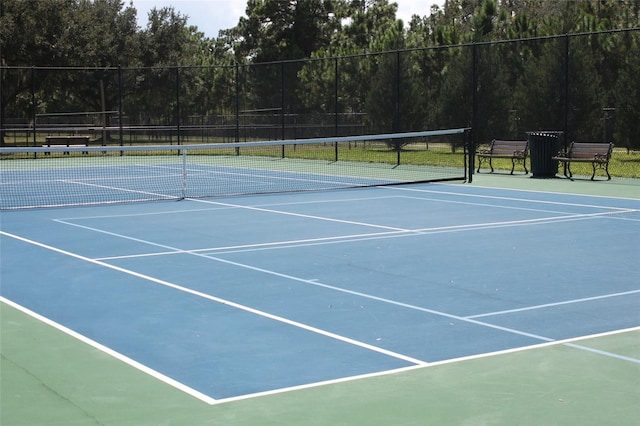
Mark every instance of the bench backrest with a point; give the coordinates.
(66, 138)
(589, 150)
(502, 147)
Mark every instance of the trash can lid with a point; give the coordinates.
(555, 133)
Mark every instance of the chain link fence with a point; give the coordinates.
(584, 85)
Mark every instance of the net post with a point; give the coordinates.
(184, 174)
(469, 156)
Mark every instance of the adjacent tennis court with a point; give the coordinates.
(434, 303)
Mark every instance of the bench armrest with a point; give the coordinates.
(600, 157)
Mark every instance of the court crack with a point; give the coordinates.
(51, 390)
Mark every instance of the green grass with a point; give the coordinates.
(623, 164)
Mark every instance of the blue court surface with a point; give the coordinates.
(228, 298)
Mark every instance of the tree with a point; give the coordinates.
(166, 43)
(20, 45)
(405, 79)
(367, 83)
(627, 101)
(280, 30)
(57, 33)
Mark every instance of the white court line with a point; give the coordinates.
(119, 189)
(245, 247)
(281, 275)
(255, 174)
(313, 329)
(549, 305)
(549, 342)
(223, 208)
(386, 235)
(220, 300)
(609, 211)
(306, 242)
(211, 401)
(340, 289)
(328, 240)
(263, 207)
(526, 200)
(396, 232)
(533, 191)
(605, 353)
(306, 216)
(115, 354)
(316, 283)
(567, 342)
(565, 216)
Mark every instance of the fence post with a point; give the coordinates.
(120, 95)
(396, 114)
(178, 102)
(34, 106)
(474, 110)
(335, 107)
(237, 102)
(565, 123)
(282, 105)
(335, 97)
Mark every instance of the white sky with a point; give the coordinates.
(210, 16)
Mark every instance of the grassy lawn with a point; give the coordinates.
(624, 164)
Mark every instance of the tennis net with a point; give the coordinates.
(85, 175)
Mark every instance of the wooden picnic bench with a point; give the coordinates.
(596, 153)
(68, 141)
(516, 151)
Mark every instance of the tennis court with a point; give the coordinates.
(430, 303)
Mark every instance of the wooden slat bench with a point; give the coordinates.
(596, 153)
(68, 141)
(516, 151)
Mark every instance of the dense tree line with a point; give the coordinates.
(341, 56)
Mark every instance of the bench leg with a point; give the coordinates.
(484, 160)
(600, 165)
(515, 161)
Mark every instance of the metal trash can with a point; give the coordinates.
(543, 146)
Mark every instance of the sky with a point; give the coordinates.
(210, 16)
